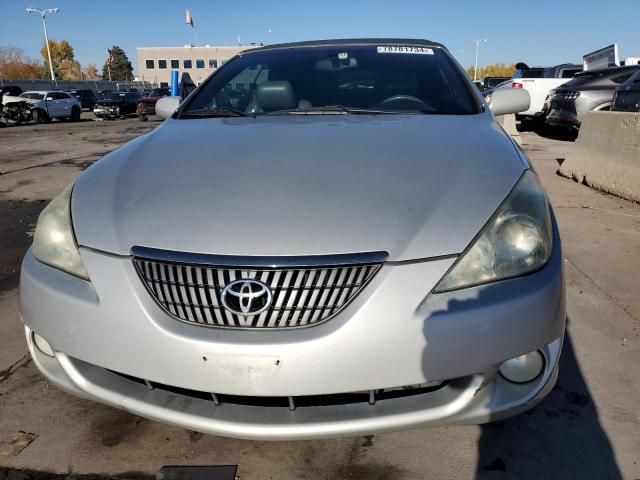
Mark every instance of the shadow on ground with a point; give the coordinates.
(560, 439)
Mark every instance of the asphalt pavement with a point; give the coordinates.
(588, 427)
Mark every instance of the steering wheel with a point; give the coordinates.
(405, 102)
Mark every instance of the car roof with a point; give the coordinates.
(351, 41)
(609, 70)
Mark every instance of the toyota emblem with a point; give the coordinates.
(246, 297)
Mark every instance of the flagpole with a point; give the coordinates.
(195, 35)
(109, 70)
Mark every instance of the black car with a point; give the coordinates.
(87, 97)
(592, 90)
(117, 105)
(627, 96)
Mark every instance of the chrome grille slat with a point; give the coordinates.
(301, 295)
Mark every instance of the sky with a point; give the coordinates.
(538, 32)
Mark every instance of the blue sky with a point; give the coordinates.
(535, 31)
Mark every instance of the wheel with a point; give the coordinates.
(75, 114)
(40, 116)
(143, 117)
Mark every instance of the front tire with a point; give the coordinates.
(40, 116)
(75, 114)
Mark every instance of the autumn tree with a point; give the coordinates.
(121, 68)
(91, 72)
(493, 70)
(14, 64)
(60, 51)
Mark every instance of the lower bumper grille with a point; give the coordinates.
(246, 296)
(370, 397)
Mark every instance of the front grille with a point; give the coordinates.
(305, 291)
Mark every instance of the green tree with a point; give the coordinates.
(60, 51)
(121, 68)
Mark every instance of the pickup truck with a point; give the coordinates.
(539, 81)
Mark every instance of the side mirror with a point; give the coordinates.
(166, 106)
(509, 100)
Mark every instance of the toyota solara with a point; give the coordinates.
(324, 239)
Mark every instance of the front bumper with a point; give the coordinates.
(393, 334)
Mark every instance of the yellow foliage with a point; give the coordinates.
(15, 65)
(493, 70)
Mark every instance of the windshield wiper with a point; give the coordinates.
(214, 112)
(337, 110)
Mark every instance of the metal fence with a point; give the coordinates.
(72, 84)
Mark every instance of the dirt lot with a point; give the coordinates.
(588, 428)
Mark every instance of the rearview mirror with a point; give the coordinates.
(509, 100)
(166, 106)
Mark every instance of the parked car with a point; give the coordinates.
(46, 105)
(627, 96)
(117, 105)
(319, 260)
(588, 91)
(492, 82)
(147, 104)
(87, 97)
(539, 82)
(9, 93)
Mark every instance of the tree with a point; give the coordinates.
(493, 70)
(60, 51)
(14, 64)
(69, 70)
(121, 68)
(91, 72)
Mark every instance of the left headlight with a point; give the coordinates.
(54, 242)
(517, 240)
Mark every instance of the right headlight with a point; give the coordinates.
(54, 242)
(518, 239)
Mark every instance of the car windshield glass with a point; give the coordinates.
(529, 73)
(339, 79)
(158, 92)
(33, 96)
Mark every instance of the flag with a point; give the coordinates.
(188, 18)
(109, 57)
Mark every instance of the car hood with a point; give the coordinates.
(415, 186)
(109, 102)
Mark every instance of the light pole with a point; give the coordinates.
(477, 42)
(43, 13)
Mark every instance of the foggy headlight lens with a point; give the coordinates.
(54, 243)
(517, 240)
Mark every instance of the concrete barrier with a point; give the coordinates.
(508, 122)
(607, 154)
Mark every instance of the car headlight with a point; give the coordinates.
(517, 240)
(54, 242)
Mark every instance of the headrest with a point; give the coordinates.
(275, 95)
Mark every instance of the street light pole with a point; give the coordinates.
(477, 42)
(43, 13)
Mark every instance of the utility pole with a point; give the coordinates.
(477, 42)
(43, 13)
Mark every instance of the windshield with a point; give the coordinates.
(342, 78)
(158, 92)
(32, 96)
(529, 73)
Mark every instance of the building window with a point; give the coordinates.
(149, 64)
(164, 84)
(175, 64)
(187, 64)
(213, 63)
(199, 63)
(162, 64)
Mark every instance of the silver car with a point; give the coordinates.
(324, 239)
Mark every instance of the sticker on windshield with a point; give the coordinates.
(405, 49)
